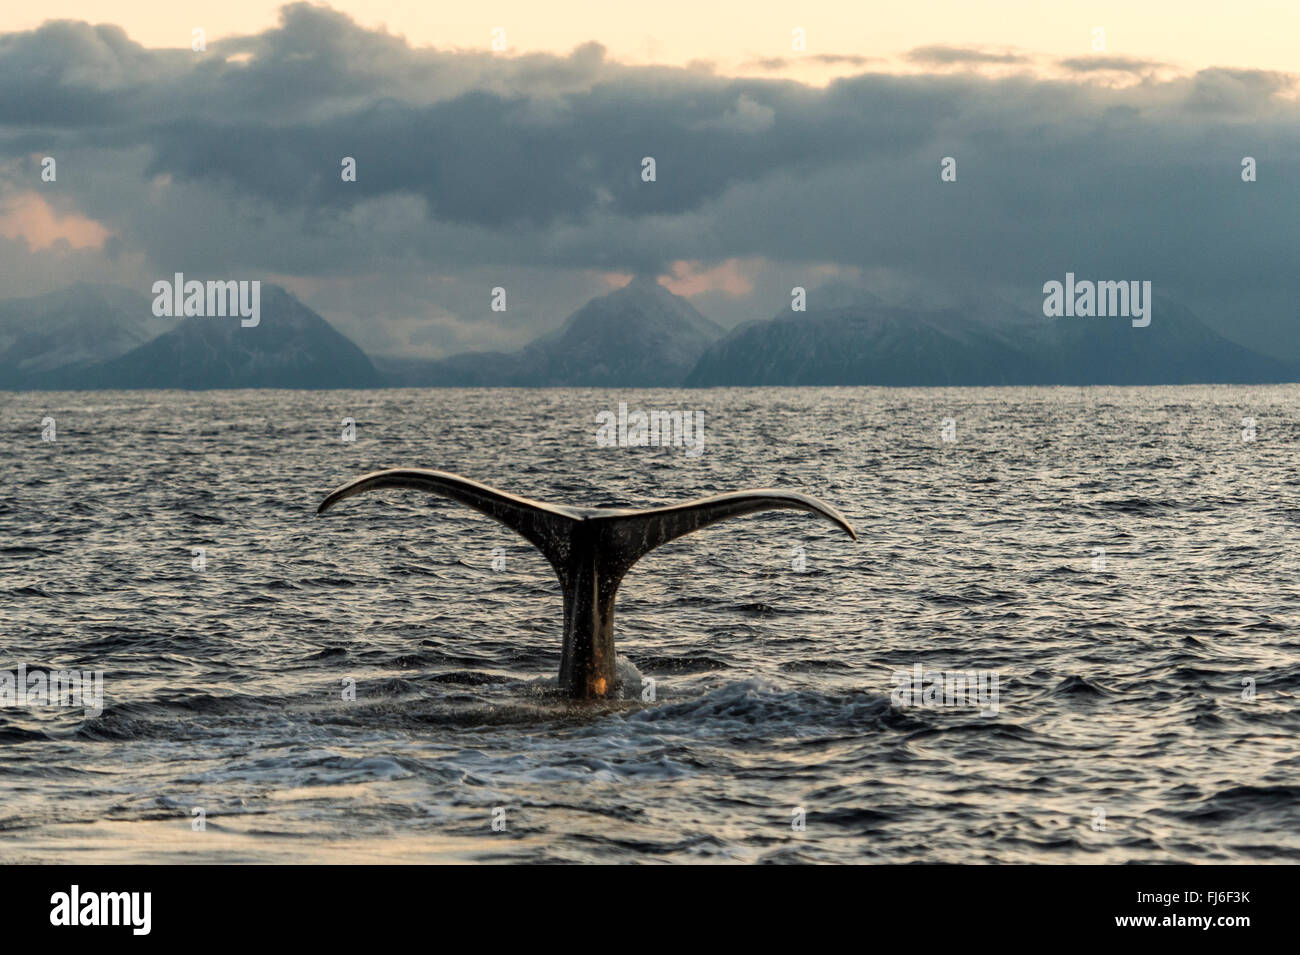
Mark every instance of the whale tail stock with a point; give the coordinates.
(590, 549)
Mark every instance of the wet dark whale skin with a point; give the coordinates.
(590, 549)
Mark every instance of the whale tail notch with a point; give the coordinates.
(590, 549)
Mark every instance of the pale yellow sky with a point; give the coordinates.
(1187, 34)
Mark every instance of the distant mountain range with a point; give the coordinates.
(291, 347)
(107, 337)
(641, 335)
(50, 340)
(638, 336)
(871, 344)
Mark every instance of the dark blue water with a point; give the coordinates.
(1122, 559)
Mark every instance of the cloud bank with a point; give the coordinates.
(476, 170)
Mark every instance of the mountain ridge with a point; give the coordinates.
(871, 344)
(50, 339)
(641, 335)
(291, 347)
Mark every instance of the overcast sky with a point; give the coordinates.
(775, 167)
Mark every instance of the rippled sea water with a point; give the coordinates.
(1125, 729)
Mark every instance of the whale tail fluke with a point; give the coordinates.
(590, 548)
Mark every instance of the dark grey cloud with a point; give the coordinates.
(1108, 64)
(940, 55)
(843, 59)
(476, 170)
(1223, 90)
(777, 63)
(495, 161)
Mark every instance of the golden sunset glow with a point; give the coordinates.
(749, 39)
(28, 217)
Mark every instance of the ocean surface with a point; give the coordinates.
(1124, 561)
